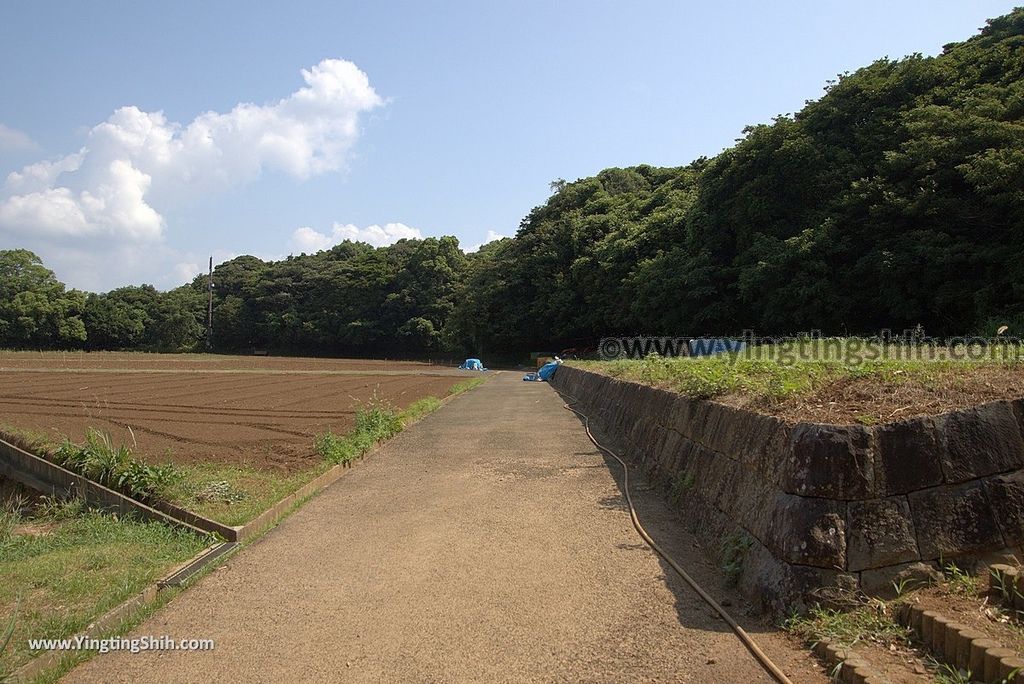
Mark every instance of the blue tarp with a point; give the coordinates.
(472, 364)
(706, 346)
(544, 374)
(547, 370)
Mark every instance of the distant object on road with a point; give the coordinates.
(473, 365)
(545, 372)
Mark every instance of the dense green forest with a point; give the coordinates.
(894, 200)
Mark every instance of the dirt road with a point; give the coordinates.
(488, 543)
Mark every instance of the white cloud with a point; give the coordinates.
(136, 164)
(185, 271)
(13, 140)
(191, 264)
(306, 239)
(491, 237)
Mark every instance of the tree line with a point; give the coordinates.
(894, 200)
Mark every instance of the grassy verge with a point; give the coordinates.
(74, 658)
(465, 386)
(234, 494)
(64, 565)
(767, 379)
(859, 384)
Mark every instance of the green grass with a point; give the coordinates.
(960, 581)
(418, 409)
(869, 622)
(733, 554)
(465, 386)
(947, 674)
(374, 424)
(778, 372)
(78, 565)
(681, 484)
(134, 619)
(234, 494)
(29, 440)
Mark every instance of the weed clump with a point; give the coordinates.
(734, 551)
(374, 424)
(114, 467)
(859, 619)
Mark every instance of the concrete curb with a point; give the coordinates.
(844, 665)
(961, 647)
(43, 476)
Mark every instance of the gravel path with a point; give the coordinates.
(490, 542)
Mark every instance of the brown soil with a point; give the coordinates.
(262, 419)
(897, 664)
(871, 401)
(905, 664)
(129, 361)
(981, 613)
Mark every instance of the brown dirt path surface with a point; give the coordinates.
(487, 543)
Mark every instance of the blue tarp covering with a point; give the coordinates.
(547, 370)
(706, 346)
(472, 364)
(544, 374)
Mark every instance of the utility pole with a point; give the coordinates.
(209, 309)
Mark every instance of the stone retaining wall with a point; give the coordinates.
(813, 505)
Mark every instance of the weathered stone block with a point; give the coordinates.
(681, 415)
(912, 575)
(807, 531)
(720, 424)
(763, 445)
(879, 532)
(831, 461)
(1018, 411)
(907, 456)
(1006, 494)
(752, 509)
(981, 441)
(700, 421)
(777, 587)
(951, 521)
(660, 404)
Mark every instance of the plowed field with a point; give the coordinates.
(258, 411)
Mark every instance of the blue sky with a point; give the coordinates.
(411, 119)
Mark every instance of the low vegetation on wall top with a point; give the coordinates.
(868, 386)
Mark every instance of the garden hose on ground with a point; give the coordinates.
(762, 659)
